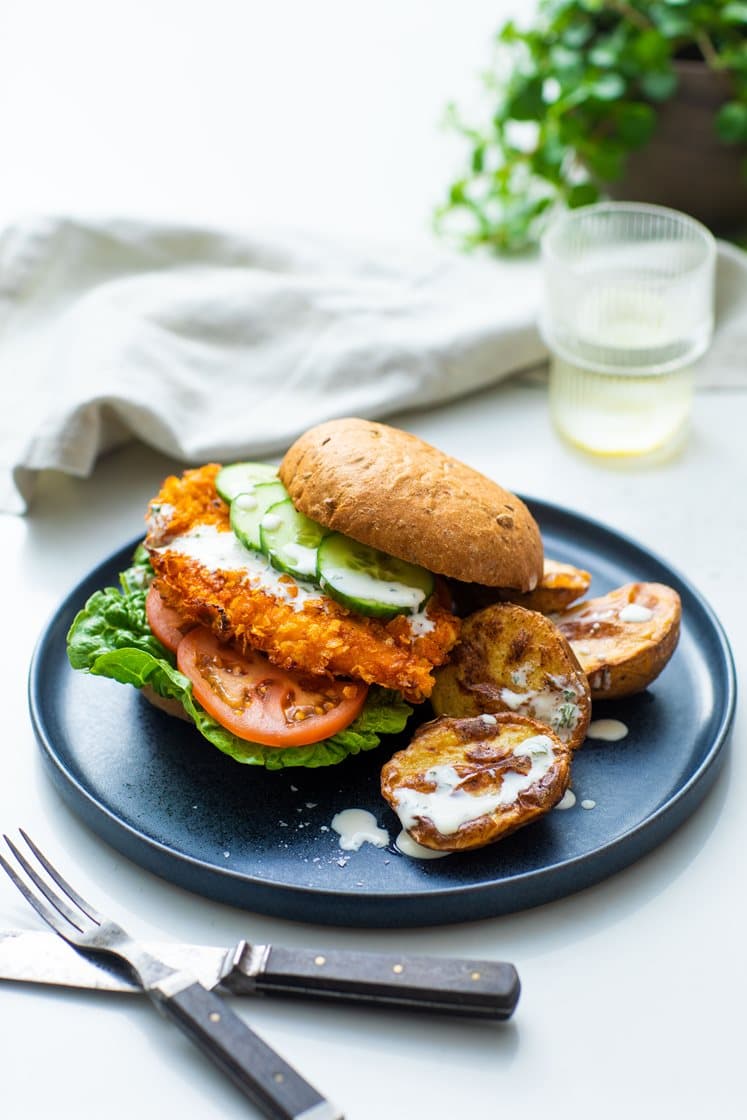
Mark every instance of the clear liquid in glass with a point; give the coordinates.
(620, 414)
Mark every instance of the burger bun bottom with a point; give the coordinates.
(171, 707)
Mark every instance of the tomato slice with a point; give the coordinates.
(259, 702)
(166, 623)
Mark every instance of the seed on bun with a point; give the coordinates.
(389, 489)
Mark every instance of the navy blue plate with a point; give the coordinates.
(153, 788)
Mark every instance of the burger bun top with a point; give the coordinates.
(389, 489)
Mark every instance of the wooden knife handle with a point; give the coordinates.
(260, 1073)
(480, 989)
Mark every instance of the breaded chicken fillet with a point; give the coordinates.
(208, 577)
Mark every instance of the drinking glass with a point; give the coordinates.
(627, 309)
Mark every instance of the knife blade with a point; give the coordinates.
(474, 988)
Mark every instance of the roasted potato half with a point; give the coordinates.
(463, 783)
(624, 639)
(509, 659)
(561, 585)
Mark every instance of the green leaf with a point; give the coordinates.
(673, 25)
(659, 84)
(110, 637)
(604, 66)
(635, 122)
(141, 557)
(526, 103)
(651, 48)
(731, 122)
(604, 56)
(608, 87)
(735, 13)
(606, 160)
(563, 60)
(736, 59)
(478, 159)
(112, 620)
(578, 34)
(547, 161)
(509, 33)
(582, 194)
(456, 193)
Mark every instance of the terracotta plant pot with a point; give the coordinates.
(685, 165)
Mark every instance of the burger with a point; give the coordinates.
(295, 615)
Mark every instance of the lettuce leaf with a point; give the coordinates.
(110, 637)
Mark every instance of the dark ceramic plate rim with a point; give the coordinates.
(483, 899)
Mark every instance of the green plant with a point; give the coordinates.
(573, 95)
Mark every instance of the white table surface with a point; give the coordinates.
(633, 989)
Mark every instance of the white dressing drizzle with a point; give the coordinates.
(420, 623)
(356, 827)
(449, 806)
(360, 585)
(567, 801)
(555, 706)
(601, 680)
(634, 612)
(409, 847)
(519, 676)
(514, 700)
(271, 521)
(301, 555)
(159, 516)
(610, 729)
(221, 550)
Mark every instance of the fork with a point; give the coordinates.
(261, 1074)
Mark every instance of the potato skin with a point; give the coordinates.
(507, 652)
(621, 658)
(561, 585)
(481, 751)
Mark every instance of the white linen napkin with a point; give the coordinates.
(211, 345)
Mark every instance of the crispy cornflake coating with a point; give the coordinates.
(321, 636)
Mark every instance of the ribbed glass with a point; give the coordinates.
(627, 308)
(628, 288)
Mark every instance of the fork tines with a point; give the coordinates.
(81, 919)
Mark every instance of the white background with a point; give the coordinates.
(325, 115)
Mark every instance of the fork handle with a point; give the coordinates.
(261, 1074)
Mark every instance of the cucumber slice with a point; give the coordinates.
(369, 581)
(241, 478)
(247, 511)
(290, 540)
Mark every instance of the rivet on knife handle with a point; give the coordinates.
(477, 988)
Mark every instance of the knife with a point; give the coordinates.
(447, 985)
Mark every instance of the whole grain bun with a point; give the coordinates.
(389, 489)
(171, 707)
